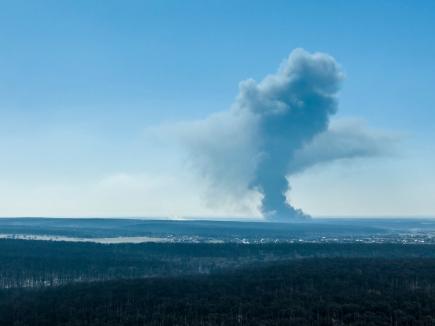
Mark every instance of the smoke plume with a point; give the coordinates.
(267, 133)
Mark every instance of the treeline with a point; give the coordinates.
(26, 263)
(316, 291)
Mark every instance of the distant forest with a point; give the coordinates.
(45, 283)
(25, 263)
(314, 291)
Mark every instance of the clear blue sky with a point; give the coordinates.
(82, 81)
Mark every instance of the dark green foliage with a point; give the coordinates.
(316, 291)
(46, 263)
(47, 283)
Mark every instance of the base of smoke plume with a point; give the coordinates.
(290, 216)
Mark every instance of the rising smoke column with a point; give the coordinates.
(252, 145)
(290, 108)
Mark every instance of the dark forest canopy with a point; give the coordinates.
(315, 291)
(45, 283)
(26, 263)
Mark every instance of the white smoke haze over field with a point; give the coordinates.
(276, 127)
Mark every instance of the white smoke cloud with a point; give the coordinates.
(275, 127)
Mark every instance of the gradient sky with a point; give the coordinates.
(83, 84)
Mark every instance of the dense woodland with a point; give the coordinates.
(314, 291)
(64, 283)
(48, 263)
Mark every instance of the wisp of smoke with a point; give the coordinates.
(254, 146)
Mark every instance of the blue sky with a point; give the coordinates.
(82, 82)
